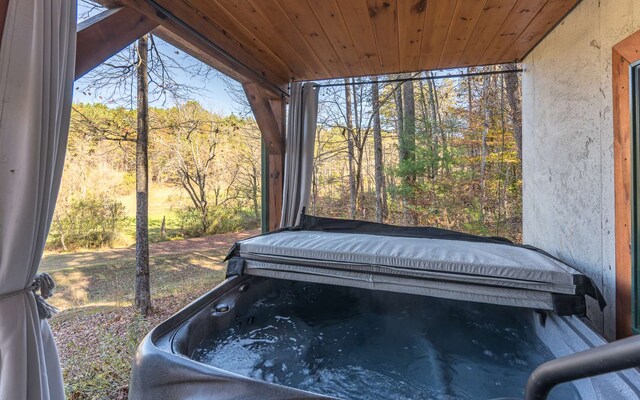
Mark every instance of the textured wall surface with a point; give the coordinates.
(568, 192)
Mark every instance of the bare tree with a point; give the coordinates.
(248, 166)
(353, 187)
(143, 287)
(486, 100)
(377, 149)
(152, 72)
(195, 150)
(407, 146)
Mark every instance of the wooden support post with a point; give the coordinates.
(276, 167)
(4, 8)
(269, 113)
(107, 33)
(624, 54)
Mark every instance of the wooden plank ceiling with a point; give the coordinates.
(318, 39)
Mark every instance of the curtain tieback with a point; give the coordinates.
(45, 284)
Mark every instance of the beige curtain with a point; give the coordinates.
(298, 161)
(37, 58)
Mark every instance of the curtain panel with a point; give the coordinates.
(300, 145)
(37, 58)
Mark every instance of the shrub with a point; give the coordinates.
(219, 220)
(233, 220)
(190, 222)
(89, 222)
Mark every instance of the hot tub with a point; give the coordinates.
(356, 310)
(264, 338)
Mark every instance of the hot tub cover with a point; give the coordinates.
(419, 260)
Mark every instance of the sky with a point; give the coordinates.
(213, 92)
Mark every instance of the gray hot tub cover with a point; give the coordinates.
(419, 260)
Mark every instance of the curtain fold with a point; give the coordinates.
(37, 59)
(298, 161)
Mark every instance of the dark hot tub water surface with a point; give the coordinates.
(359, 344)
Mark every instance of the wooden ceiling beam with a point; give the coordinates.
(269, 122)
(107, 33)
(233, 61)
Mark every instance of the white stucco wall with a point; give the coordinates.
(568, 192)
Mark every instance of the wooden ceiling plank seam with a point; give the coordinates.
(235, 32)
(269, 12)
(326, 10)
(551, 30)
(485, 30)
(369, 23)
(539, 27)
(412, 16)
(237, 62)
(383, 15)
(541, 11)
(520, 16)
(446, 36)
(396, 15)
(361, 33)
(239, 8)
(210, 29)
(464, 21)
(438, 20)
(311, 34)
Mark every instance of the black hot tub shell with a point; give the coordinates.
(419, 261)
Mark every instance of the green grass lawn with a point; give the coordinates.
(164, 201)
(97, 330)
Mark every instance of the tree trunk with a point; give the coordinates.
(377, 151)
(143, 291)
(485, 132)
(359, 141)
(433, 90)
(400, 130)
(436, 126)
(254, 189)
(513, 96)
(352, 181)
(409, 133)
(469, 97)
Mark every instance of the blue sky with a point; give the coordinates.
(212, 92)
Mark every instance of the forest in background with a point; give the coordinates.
(204, 171)
(441, 152)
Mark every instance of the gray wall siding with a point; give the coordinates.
(568, 193)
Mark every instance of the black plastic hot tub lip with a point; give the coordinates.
(182, 317)
(225, 288)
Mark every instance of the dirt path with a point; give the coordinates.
(214, 243)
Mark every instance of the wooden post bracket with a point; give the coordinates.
(107, 33)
